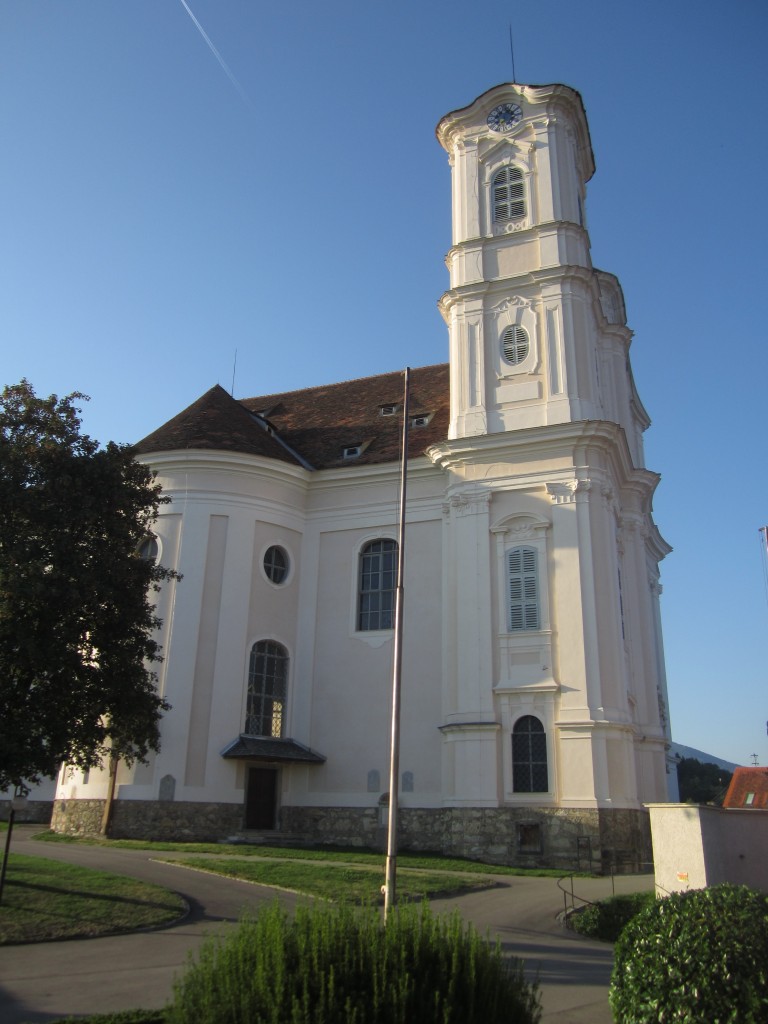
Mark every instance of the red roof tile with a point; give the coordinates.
(748, 782)
(315, 423)
(216, 422)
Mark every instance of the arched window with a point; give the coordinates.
(508, 190)
(377, 582)
(267, 689)
(523, 589)
(529, 756)
(148, 549)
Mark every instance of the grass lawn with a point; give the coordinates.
(337, 881)
(427, 862)
(45, 900)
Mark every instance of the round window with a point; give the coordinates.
(514, 343)
(276, 564)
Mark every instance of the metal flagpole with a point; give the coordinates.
(394, 760)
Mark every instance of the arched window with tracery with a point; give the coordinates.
(267, 689)
(529, 756)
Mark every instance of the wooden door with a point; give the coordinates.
(261, 798)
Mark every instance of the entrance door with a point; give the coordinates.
(261, 798)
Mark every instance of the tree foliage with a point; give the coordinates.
(76, 618)
(702, 782)
(700, 955)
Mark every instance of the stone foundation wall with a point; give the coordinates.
(37, 812)
(77, 817)
(150, 819)
(581, 839)
(568, 839)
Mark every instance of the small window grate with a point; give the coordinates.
(515, 344)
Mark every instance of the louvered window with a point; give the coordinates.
(508, 190)
(378, 578)
(267, 689)
(523, 589)
(515, 344)
(529, 756)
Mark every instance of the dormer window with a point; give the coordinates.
(389, 410)
(421, 420)
(352, 451)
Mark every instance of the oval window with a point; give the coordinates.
(276, 564)
(514, 343)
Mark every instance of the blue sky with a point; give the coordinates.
(164, 206)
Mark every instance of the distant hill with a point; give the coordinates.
(678, 750)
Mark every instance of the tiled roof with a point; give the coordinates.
(317, 424)
(265, 748)
(216, 422)
(748, 782)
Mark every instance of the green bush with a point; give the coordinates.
(694, 956)
(606, 920)
(338, 965)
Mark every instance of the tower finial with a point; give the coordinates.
(512, 55)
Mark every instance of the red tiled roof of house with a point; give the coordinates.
(316, 424)
(748, 788)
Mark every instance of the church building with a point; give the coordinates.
(534, 718)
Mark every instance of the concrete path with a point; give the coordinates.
(42, 982)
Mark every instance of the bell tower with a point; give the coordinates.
(551, 553)
(524, 305)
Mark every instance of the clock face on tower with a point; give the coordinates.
(504, 117)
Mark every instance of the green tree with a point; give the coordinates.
(76, 617)
(702, 782)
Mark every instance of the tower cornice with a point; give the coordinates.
(468, 123)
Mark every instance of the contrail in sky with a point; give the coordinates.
(215, 52)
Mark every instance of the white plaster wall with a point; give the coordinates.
(695, 846)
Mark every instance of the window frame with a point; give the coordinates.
(515, 345)
(503, 210)
(266, 566)
(527, 606)
(277, 693)
(364, 616)
(529, 757)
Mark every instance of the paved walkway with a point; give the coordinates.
(40, 983)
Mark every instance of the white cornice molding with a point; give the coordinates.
(565, 492)
(204, 460)
(540, 441)
(543, 107)
(521, 525)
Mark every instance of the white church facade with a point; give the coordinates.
(534, 723)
